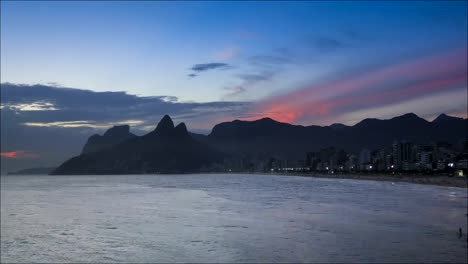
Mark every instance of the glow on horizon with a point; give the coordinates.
(19, 154)
(436, 74)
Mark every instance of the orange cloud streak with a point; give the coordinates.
(10, 155)
(19, 154)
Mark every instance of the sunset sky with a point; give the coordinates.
(88, 65)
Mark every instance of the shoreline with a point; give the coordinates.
(439, 180)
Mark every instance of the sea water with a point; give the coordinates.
(228, 218)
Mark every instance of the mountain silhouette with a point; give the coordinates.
(111, 137)
(446, 118)
(267, 137)
(165, 127)
(167, 149)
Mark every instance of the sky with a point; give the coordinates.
(73, 68)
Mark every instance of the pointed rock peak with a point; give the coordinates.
(166, 118)
(444, 117)
(181, 129)
(118, 130)
(165, 125)
(181, 126)
(408, 115)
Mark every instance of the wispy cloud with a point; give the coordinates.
(255, 77)
(248, 80)
(203, 67)
(208, 66)
(263, 67)
(412, 79)
(80, 108)
(327, 43)
(33, 106)
(234, 91)
(84, 123)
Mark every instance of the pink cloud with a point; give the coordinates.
(429, 75)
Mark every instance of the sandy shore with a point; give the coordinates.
(442, 180)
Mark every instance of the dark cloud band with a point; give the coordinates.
(208, 66)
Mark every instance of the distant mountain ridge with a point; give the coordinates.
(444, 118)
(269, 137)
(172, 149)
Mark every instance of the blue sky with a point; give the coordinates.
(147, 48)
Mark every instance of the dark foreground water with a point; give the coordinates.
(228, 218)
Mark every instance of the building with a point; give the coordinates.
(402, 153)
(364, 156)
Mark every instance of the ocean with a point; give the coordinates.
(228, 218)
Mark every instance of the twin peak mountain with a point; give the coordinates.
(172, 149)
(119, 134)
(167, 149)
